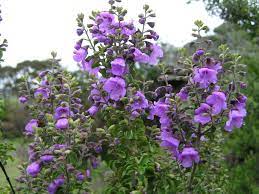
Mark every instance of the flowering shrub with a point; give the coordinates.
(161, 141)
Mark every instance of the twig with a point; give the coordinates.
(7, 177)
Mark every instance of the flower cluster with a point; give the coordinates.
(182, 134)
(116, 45)
(59, 126)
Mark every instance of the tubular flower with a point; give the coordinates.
(188, 156)
(202, 114)
(115, 87)
(217, 100)
(204, 77)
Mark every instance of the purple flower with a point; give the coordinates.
(200, 52)
(47, 158)
(169, 142)
(33, 169)
(205, 76)
(44, 83)
(118, 67)
(235, 120)
(52, 188)
(88, 173)
(61, 112)
(80, 31)
(140, 56)
(140, 102)
(95, 162)
(217, 100)
(243, 85)
(202, 114)
(115, 87)
(188, 156)
(80, 176)
(159, 109)
(80, 54)
(156, 53)
(195, 58)
(127, 28)
(104, 20)
(93, 110)
(87, 66)
(62, 123)
(23, 99)
(43, 73)
(78, 45)
(183, 94)
(212, 64)
(43, 92)
(98, 149)
(240, 104)
(30, 127)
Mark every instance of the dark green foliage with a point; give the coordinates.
(133, 169)
(243, 13)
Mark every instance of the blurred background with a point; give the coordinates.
(35, 28)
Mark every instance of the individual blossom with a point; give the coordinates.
(42, 92)
(202, 114)
(153, 35)
(217, 100)
(62, 123)
(156, 53)
(189, 156)
(33, 169)
(127, 28)
(80, 176)
(58, 182)
(95, 162)
(104, 20)
(43, 74)
(139, 101)
(197, 55)
(161, 110)
(118, 67)
(98, 149)
(80, 31)
(243, 85)
(204, 77)
(183, 94)
(31, 126)
(140, 57)
(199, 52)
(96, 96)
(103, 26)
(93, 110)
(240, 104)
(88, 173)
(47, 158)
(115, 87)
(23, 99)
(235, 120)
(87, 66)
(62, 112)
(80, 54)
(169, 142)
